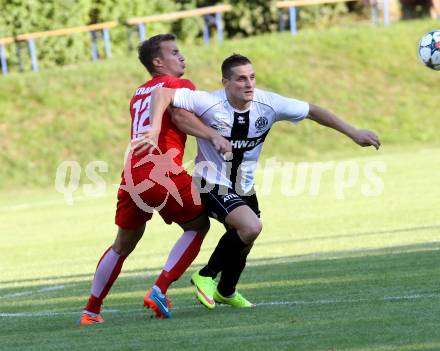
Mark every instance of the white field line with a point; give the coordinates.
(258, 304)
(27, 206)
(60, 201)
(18, 294)
(52, 288)
(30, 292)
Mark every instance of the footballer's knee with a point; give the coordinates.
(249, 232)
(127, 239)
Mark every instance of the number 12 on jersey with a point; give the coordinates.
(141, 114)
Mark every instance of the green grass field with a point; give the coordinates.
(359, 273)
(333, 269)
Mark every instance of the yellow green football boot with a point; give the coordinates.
(206, 286)
(237, 300)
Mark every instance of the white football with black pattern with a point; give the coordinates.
(429, 50)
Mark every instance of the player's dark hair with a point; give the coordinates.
(233, 61)
(150, 49)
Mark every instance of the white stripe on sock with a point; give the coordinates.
(179, 249)
(104, 271)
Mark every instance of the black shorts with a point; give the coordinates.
(218, 204)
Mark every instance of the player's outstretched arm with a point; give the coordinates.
(190, 124)
(361, 137)
(160, 99)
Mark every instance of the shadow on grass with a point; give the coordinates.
(361, 234)
(345, 273)
(375, 300)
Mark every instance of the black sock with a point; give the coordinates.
(231, 273)
(230, 242)
(208, 272)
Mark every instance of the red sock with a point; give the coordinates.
(108, 269)
(181, 256)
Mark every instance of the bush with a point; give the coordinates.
(251, 18)
(247, 18)
(33, 16)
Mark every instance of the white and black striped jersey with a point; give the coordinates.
(246, 131)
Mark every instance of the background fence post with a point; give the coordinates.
(281, 21)
(219, 25)
(95, 54)
(386, 13)
(374, 12)
(3, 60)
(33, 52)
(206, 22)
(292, 19)
(107, 43)
(141, 31)
(19, 58)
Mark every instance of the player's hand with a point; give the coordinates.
(144, 142)
(364, 137)
(221, 144)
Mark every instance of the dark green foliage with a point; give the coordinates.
(247, 18)
(33, 16)
(19, 17)
(261, 16)
(251, 17)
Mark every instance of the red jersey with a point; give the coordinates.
(170, 136)
(157, 183)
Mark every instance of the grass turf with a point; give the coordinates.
(354, 274)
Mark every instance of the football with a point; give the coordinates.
(429, 50)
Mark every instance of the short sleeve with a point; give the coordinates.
(195, 101)
(288, 109)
